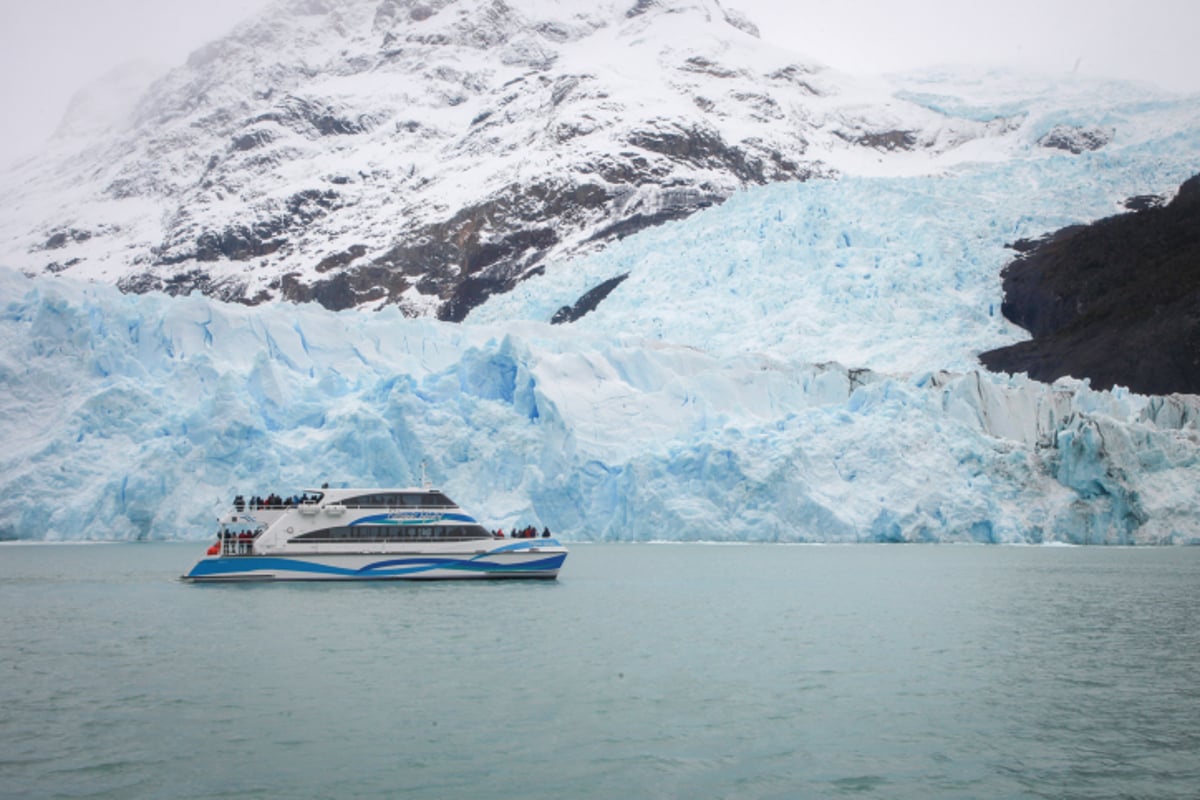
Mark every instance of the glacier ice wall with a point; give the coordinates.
(887, 273)
(797, 364)
(132, 417)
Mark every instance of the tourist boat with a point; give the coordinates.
(367, 534)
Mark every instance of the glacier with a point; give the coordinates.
(795, 365)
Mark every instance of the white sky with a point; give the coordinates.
(51, 48)
(1148, 40)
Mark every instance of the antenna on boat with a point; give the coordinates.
(424, 477)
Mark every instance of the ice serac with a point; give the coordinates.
(141, 416)
(429, 155)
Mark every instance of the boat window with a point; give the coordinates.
(399, 500)
(394, 533)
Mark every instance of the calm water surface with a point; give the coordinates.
(645, 671)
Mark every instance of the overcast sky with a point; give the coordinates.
(51, 48)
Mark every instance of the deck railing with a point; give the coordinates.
(237, 546)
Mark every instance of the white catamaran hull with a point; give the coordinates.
(533, 558)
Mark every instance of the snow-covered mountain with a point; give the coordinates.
(430, 153)
(796, 363)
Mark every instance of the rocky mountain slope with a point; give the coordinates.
(430, 153)
(1117, 301)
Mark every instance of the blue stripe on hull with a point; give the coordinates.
(297, 568)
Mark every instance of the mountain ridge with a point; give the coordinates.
(360, 153)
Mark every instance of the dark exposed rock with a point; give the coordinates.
(763, 104)
(140, 283)
(553, 31)
(341, 259)
(471, 256)
(55, 267)
(470, 240)
(1076, 140)
(245, 241)
(705, 148)
(628, 168)
(314, 118)
(639, 222)
(588, 302)
(882, 140)
(347, 289)
(707, 66)
(563, 88)
(251, 140)
(184, 283)
(237, 243)
(1029, 245)
(1117, 301)
(61, 238)
(470, 293)
(795, 75)
(640, 7)
(1141, 202)
(740, 21)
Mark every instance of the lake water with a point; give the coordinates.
(645, 671)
